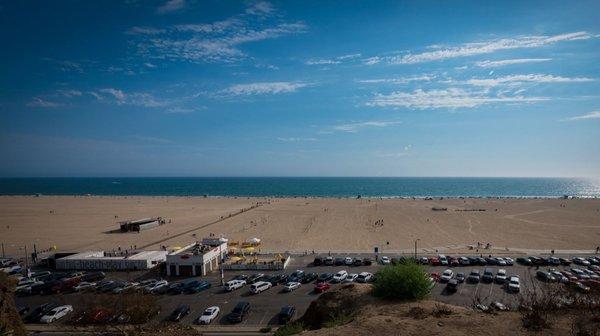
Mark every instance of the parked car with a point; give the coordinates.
(553, 261)
(501, 276)
(197, 286)
(545, 276)
(338, 261)
(36, 314)
(309, 277)
(340, 276)
(514, 284)
(474, 276)
(286, 314)
(454, 262)
(524, 261)
(179, 313)
(433, 261)
(348, 261)
(423, 261)
(291, 286)
(158, 288)
(446, 275)
(367, 261)
(234, 284)
(277, 279)
(357, 261)
(239, 312)
(209, 315)
(509, 261)
(488, 275)
(351, 277)
(322, 286)
(324, 277)
(481, 261)
(244, 277)
(255, 278)
(84, 286)
(452, 286)
(93, 276)
(460, 277)
(259, 287)
(500, 261)
(128, 287)
(385, 260)
(443, 260)
(364, 277)
(318, 261)
(464, 261)
(22, 310)
(329, 261)
(56, 313)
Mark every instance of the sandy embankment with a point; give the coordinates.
(298, 224)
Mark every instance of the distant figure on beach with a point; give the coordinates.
(552, 252)
(597, 249)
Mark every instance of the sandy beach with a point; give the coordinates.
(297, 224)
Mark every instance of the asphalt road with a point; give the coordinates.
(265, 306)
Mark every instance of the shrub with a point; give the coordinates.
(405, 281)
(291, 328)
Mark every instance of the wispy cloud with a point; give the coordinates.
(518, 79)
(69, 93)
(407, 150)
(587, 116)
(332, 61)
(39, 102)
(171, 6)
(218, 41)
(151, 139)
(501, 63)
(447, 98)
(399, 80)
(292, 139)
(135, 98)
(479, 48)
(260, 88)
(354, 127)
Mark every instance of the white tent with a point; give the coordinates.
(253, 240)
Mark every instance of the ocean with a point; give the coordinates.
(305, 186)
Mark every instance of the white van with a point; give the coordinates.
(260, 286)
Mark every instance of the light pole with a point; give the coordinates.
(416, 240)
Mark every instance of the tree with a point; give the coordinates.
(404, 281)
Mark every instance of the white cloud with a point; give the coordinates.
(349, 56)
(448, 98)
(356, 126)
(296, 139)
(39, 102)
(518, 79)
(170, 6)
(372, 60)
(145, 31)
(134, 99)
(260, 8)
(184, 110)
(480, 48)
(150, 65)
(399, 80)
(212, 28)
(495, 64)
(263, 88)
(69, 93)
(587, 116)
(336, 60)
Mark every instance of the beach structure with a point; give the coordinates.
(110, 261)
(141, 224)
(198, 258)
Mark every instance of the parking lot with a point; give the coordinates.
(266, 305)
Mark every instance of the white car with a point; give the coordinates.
(348, 261)
(232, 285)
(351, 277)
(82, 286)
(447, 275)
(209, 315)
(340, 276)
(501, 276)
(129, 286)
(385, 260)
(291, 286)
(56, 314)
(259, 287)
(364, 277)
(157, 286)
(500, 261)
(514, 284)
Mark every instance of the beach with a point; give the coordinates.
(78, 223)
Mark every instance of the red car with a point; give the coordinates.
(322, 286)
(434, 261)
(454, 261)
(435, 276)
(99, 316)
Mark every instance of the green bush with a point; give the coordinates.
(291, 328)
(405, 281)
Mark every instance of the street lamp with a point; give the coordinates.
(416, 240)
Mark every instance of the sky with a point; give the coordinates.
(299, 88)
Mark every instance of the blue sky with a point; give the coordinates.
(299, 88)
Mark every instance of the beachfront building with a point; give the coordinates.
(198, 258)
(111, 261)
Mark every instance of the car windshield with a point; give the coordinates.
(207, 313)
